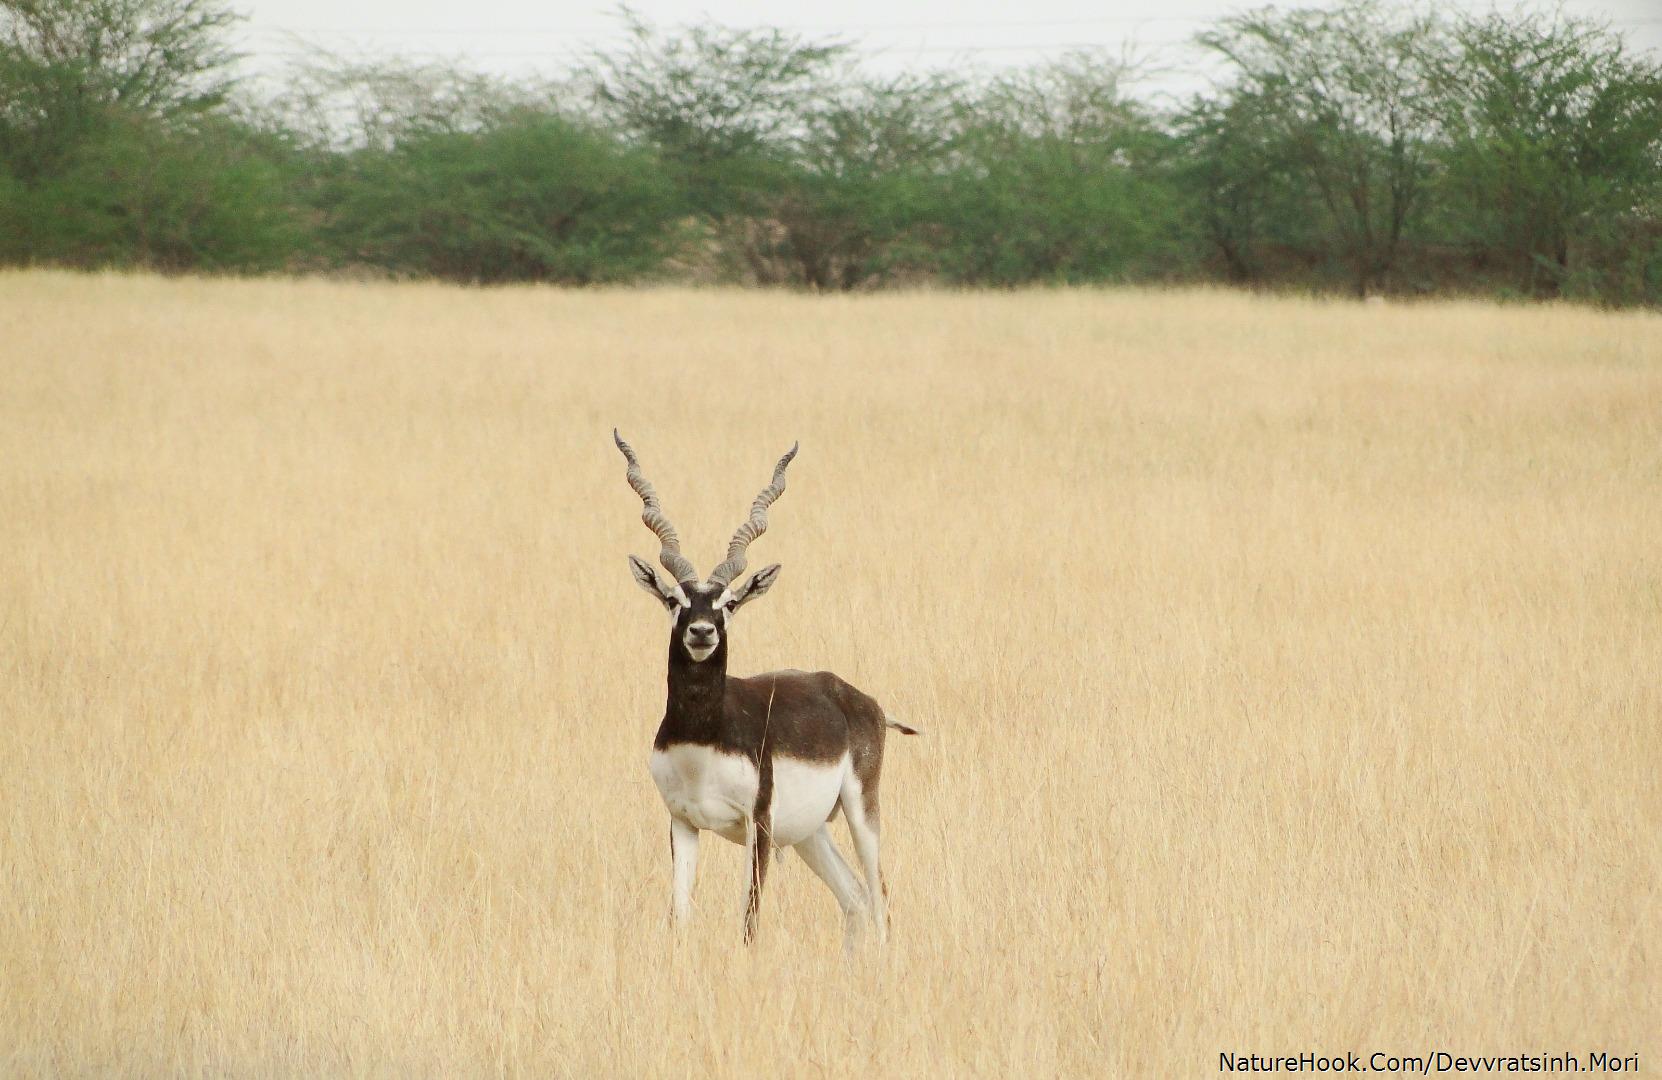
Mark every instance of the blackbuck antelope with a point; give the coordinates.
(765, 761)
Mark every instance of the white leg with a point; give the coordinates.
(819, 851)
(683, 852)
(863, 828)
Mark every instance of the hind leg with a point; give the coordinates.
(819, 851)
(759, 839)
(860, 811)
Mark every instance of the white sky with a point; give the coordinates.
(523, 36)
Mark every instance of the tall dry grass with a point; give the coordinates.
(1289, 671)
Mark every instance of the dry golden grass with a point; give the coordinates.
(1289, 671)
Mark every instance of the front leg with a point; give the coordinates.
(683, 854)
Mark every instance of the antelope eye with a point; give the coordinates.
(730, 606)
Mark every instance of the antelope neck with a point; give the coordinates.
(693, 712)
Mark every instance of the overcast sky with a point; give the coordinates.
(525, 36)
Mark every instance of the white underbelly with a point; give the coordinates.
(709, 789)
(804, 794)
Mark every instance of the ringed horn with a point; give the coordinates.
(675, 562)
(733, 565)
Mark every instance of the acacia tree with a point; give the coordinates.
(1348, 93)
(720, 106)
(1554, 134)
(803, 170)
(118, 143)
(1242, 192)
(861, 180)
(1057, 175)
(67, 67)
(433, 171)
(333, 104)
(532, 196)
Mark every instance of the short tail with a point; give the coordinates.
(902, 728)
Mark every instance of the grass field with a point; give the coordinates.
(1291, 678)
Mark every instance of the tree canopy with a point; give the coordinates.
(1357, 146)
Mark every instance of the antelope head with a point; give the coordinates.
(700, 611)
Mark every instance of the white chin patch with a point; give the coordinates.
(699, 653)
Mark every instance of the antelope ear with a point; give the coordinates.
(648, 578)
(760, 582)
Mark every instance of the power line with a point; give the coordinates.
(1128, 20)
(587, 46)
(573, 52)
(579, 43)
(593, 31)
